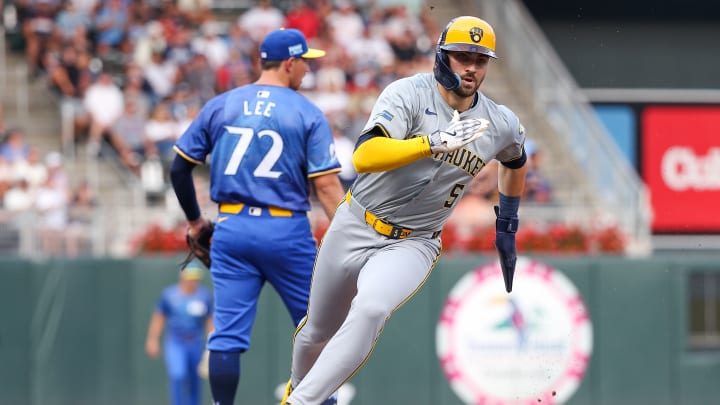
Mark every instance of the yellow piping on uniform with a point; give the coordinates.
(318, 174)
(380, 154)
(372, 348)
(186, 157)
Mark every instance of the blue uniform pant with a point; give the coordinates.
(181, 359)
(246, 252)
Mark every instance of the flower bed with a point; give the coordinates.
(553, 239)
(156, 239)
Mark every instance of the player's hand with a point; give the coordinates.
(458, 134)
(152, 348)
(196, 226)
(505, 229)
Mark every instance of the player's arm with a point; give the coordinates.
(377, 152)
(184, 186)
(511, 181)
(209, 325)
(329, 192)
(152, 341)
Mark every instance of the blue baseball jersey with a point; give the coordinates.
(265, 143)
(185, 315)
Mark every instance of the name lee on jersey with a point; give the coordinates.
(258, 107)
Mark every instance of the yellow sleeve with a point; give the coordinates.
(380, 153)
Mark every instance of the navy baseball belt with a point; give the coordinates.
(383, 227)
(257, 211)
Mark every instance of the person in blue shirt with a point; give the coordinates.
(266, 145)
(184, 313)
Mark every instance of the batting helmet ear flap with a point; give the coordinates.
(443, 74)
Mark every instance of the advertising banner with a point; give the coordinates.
(681, 167)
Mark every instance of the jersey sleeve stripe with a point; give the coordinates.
(186, 157)
(318, 174)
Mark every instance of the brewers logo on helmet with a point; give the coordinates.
(462, 34)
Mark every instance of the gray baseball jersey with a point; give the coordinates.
(422, 194)
(361, 277)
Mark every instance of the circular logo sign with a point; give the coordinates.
(528, 347)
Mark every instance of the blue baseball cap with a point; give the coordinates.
(285, 44)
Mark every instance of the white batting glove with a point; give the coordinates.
(458, 134)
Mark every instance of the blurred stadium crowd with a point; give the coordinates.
(132, 74)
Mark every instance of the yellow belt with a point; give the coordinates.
(383, 228)
(236, 208)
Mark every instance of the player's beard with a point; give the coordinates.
(467, 90)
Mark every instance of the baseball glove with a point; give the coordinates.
(200, 245)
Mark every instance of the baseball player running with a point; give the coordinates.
(265, 141)
(427, 136)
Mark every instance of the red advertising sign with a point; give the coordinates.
(681, 167)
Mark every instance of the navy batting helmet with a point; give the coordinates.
(463, 34)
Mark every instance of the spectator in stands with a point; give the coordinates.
(109, 25)
(81, 213)
(19, 197)
(161, 132)
(56, 170)
(161, 74)
(51, 204)
(33, 169)
(63, 72)
(305, 17)
(195, 11)
(407, 37)
(236, 72)
(345, 23)
(38, 25)
(371, 49)
(260, 19)
(211, 44)
(537, 188)
(5, 177)
(180, 47)
(182, 97)
(200, 77)
(330, 93)
(14, 147)
(126, 136)
(137, 89)
(140, 15)
(171, 19)
(404, 46)
(69, 21)
(145, 38)
(104, 103)
(70, 78)
(89, 7)
(240, 41)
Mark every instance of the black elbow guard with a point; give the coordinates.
(516, 163)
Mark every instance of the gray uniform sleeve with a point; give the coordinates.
(394, 111)
(516, 136)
